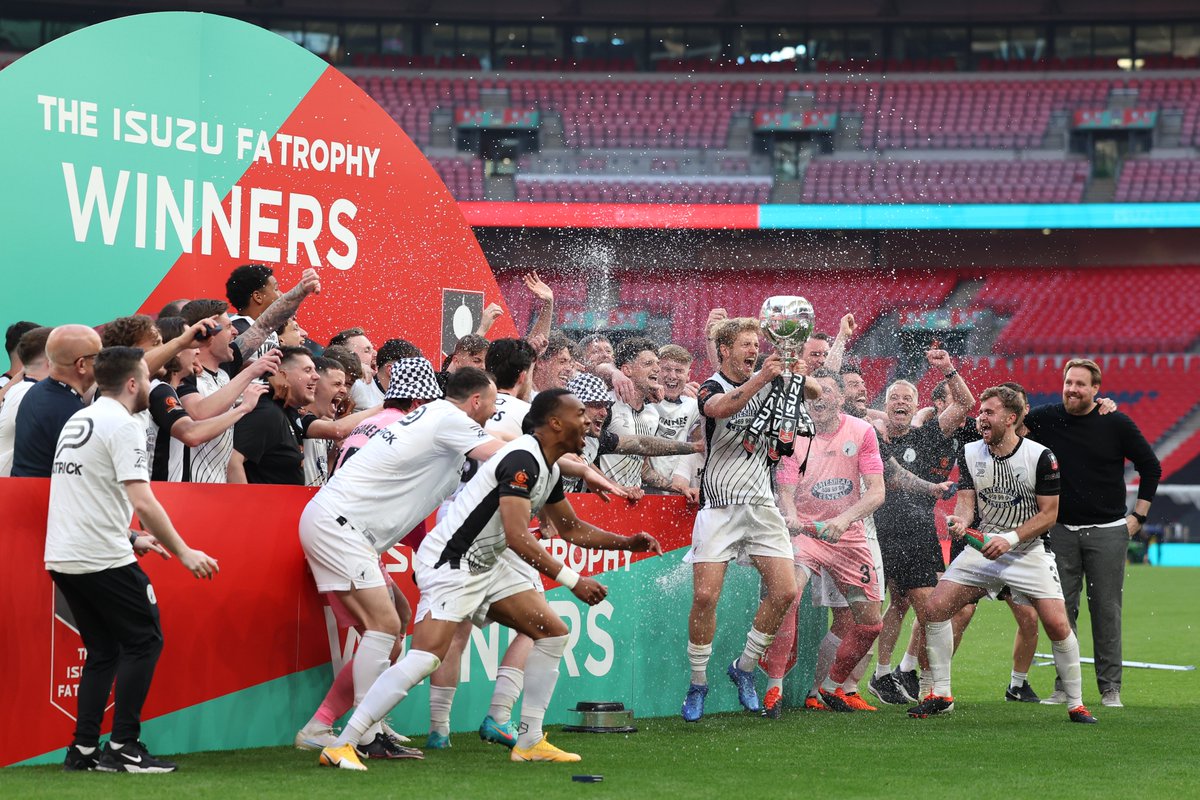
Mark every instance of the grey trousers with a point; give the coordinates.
(1097, 555)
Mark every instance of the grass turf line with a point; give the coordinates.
(985, 749)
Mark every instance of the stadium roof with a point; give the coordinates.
(723, 12)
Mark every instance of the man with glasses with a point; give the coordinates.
(71, 351)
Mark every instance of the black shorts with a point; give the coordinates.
(911, 561)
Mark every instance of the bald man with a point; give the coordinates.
(71, 351)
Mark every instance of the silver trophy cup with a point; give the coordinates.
(787, 322)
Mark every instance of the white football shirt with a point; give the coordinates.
(510, 413)
(210, 460)
(471, 534)
(87, 529)
(731, 475)
(675, 421)
(8, 424)
(623, 420)
(402, 473)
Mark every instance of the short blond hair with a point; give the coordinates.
(728, 331)
(673, 352)
(1084, 363)
(888, 392)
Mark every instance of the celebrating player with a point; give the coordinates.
(460, 574)
(738, 514)
(842, 485)
(1012, 485)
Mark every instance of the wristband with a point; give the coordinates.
(567, 577)
(1141, 518)
(1010, 537)
(950, 374)
(133, 535)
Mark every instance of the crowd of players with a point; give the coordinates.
(793, 473)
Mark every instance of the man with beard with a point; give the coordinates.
(1011, 485)
(170, 432)
(555, 365)
(100, 480)
(738, 516)
(459, 572)
(331, 392)
(1092, 534)
(267, 441)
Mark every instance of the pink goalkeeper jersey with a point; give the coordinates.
(832, 484)
(365, 430)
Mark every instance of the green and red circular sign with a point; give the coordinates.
(146, 157)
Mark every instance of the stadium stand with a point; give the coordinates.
(1159, 180)
(464, 178)
(967, 181)
(644, 190)
(1099, 315)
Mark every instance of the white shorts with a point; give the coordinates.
(736, 532)
(452, 595)
(339, 557)
(521, 567)
(825, 593)
(1028, 573)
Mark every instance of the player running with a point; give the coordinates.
(1011, 484)
(460, 574)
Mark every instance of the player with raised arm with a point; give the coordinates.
(460, 573)
(737, 515)
(1011, 485)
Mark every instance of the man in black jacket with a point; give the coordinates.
(1093, 529)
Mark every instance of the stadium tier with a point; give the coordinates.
(464, 178)
(643, 190)
(1101, 315)
(1056, 181)
(1159, 180)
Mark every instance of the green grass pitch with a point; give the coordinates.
(985, 749)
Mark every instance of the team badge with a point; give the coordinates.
(849, 449)
(910, 455)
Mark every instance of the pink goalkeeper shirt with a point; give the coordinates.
(832, 484)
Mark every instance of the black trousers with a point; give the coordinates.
(117, 616)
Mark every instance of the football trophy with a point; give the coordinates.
(787, 322)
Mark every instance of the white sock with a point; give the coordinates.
(509, 682)
(541, 674)
(441, 698)
(909, 662)
(774, 683)
(373, 656)
(87, 751)
(1066, 661)
(386, 693)
(826, 654)
(939, 643)
(757, 643)
(856, 674)
(1017, 680)
(924, 685)
(882, 668)
(698, 655)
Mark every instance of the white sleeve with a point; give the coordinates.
(620, 420)
(127, 446)
(687, 467)
(460, 434)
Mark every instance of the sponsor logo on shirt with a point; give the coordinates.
(520, 481)
(172, 403)
(832, 488)
(1053, 461)
(998, 497)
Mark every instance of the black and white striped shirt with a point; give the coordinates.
(1007, 487)
(624, 420)
(731, 475)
